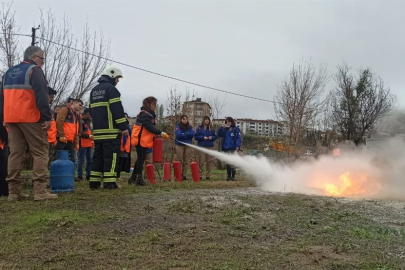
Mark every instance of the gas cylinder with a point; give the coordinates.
(177, 171)
(150, 173)
(62, 173)
(157, 150)
(195, 171)
(167, 171)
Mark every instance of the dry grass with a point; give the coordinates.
(208, 225)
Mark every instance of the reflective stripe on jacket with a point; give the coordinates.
(19, 97)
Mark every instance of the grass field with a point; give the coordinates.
(209, 225)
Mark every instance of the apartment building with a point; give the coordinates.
(196, 110)
(269, 128)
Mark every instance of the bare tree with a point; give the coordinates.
(9, 51)
(90, 64)
(60, 61)
(357, 103)
(71, 73)
(173, 105)
(217, 105)
(299, 99)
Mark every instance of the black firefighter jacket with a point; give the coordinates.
(106, 110)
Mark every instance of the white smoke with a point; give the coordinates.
(378, 172)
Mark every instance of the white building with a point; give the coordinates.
(269, 128)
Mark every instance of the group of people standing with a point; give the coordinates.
(205, 136)
(100, 134)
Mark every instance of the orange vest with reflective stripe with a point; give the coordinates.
(19, 99)
(141, 136)
(85, 142)
(71, 126)
(52, 131)
(127, 146)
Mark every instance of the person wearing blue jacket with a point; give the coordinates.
(184, 134)
(231, 142)
(205, 136)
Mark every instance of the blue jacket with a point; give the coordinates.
(185, 136)
(201, 133)
(231, 139)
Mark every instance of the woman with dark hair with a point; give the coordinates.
(184, 134)
(231, 142)
(142, 137)
(205, 136)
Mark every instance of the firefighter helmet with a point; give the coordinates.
(112, 72)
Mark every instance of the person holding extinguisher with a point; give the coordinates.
(142, 137)
(231, 143)
(184, 134)
(205, 135)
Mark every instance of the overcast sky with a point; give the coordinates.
(246, 47)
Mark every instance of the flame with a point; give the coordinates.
(359, 184)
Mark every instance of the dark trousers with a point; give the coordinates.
(67, 146)
(105, 159)
(3, 172)
(230, 170)
(141, 153)
(84, 153)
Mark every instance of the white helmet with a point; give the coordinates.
(112, 72)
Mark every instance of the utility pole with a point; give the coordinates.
(33, 29)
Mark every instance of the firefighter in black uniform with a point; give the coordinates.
(109, 124)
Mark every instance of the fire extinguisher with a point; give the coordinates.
(195, 172)
(167, 171)
(177, 171)
(157, 150)
(150, 173)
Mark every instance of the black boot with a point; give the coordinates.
(139, 180)
(110, 185)
(94, 185)
(132, 179)
(228, 172)
(233, 174)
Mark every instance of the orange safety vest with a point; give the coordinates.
(127, 146)
(70, 127)
(52, 131)
(19, 98)
(85, 142)
(140, 135)
(2, 144)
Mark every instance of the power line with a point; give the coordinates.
(155, 73)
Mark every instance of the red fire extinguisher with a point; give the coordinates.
(195, 172)
(177, 171)
(167, 171)
(157, 150)
(150, 173)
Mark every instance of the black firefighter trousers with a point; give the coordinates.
(105, 159)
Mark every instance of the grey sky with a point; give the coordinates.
(246, 47)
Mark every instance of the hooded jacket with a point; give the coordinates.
(183, 135)
(106, 110)
(201, 133)
(231, 139)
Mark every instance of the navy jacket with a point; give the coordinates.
(201, 133)
(231, 139)
(185, 136)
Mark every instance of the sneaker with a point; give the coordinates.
(45, 196)
(184, 177)
(228, 178)
(207, 178)
(17, 197)
(94, 185)
(111, 185)
(87, 177)
(232, 178)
